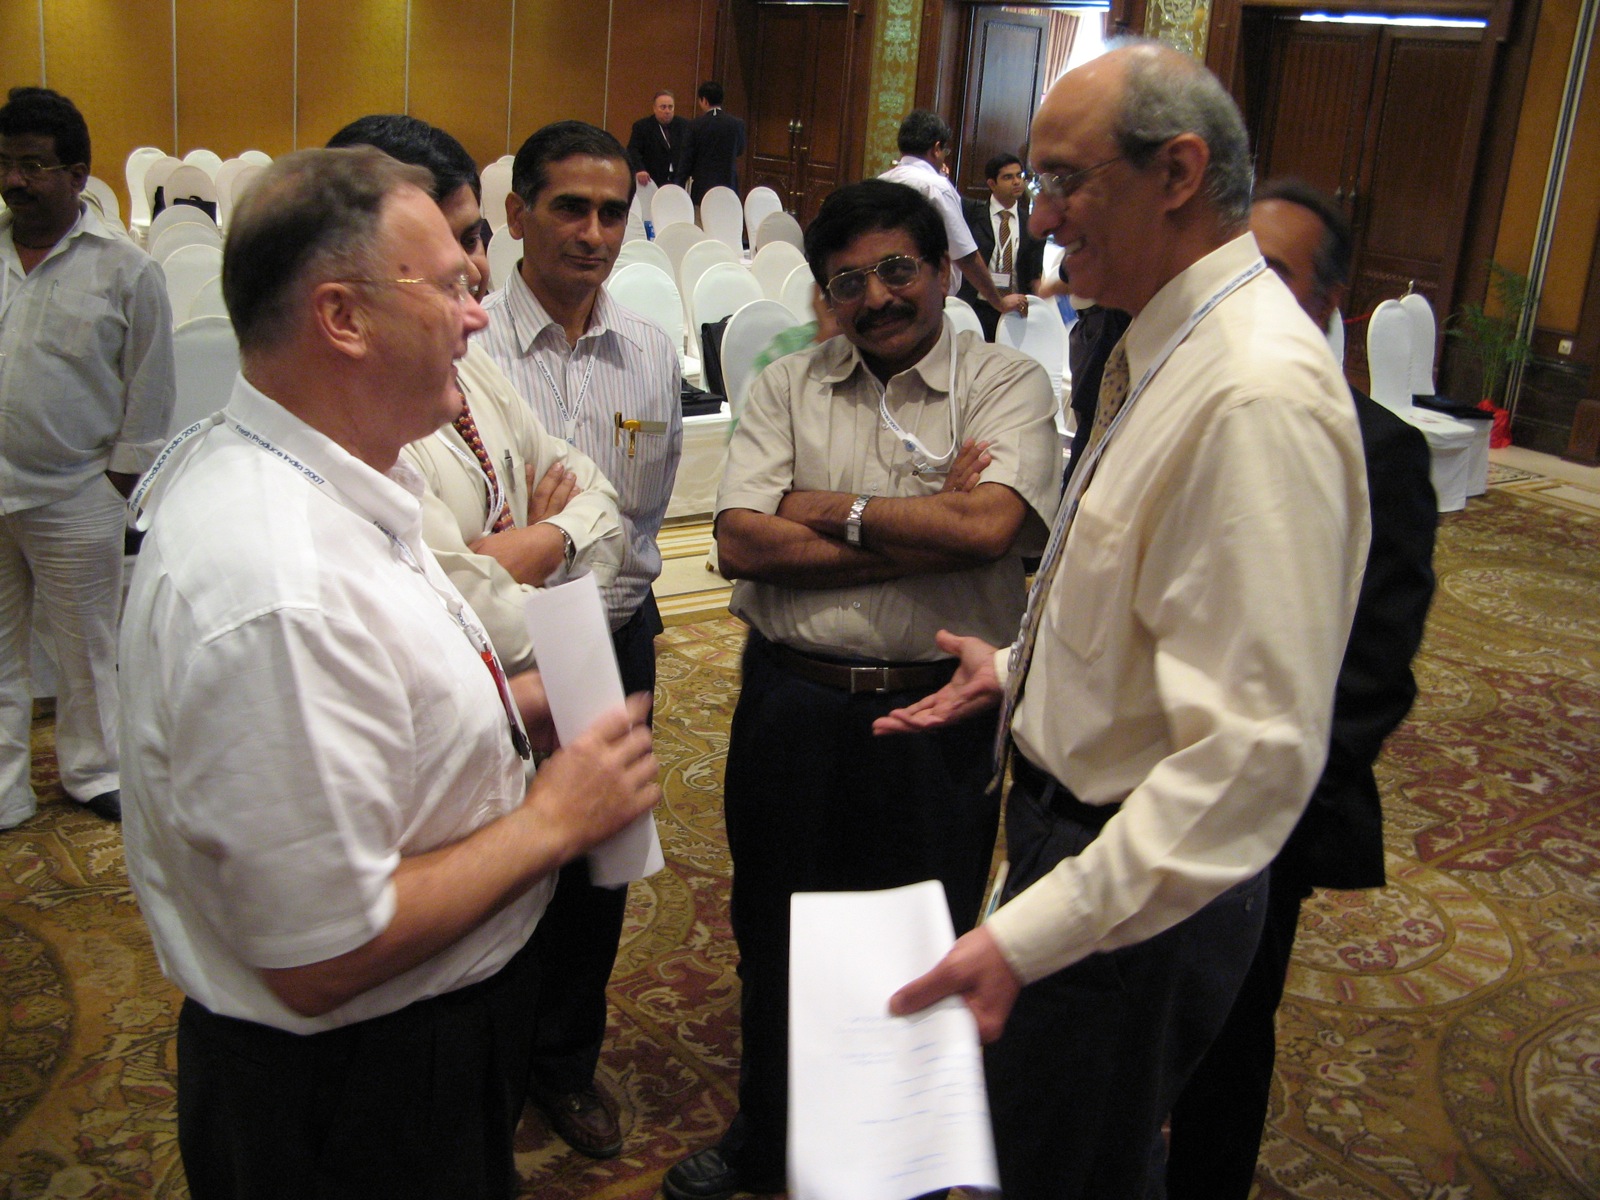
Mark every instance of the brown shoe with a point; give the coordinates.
(585, 1122)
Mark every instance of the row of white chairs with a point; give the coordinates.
(194, 282)
(201, 175)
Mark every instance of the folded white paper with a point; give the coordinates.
(880, 1107)
(572, 643)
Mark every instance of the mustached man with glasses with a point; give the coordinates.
(329, 827)
(86, 390)
(880, 487)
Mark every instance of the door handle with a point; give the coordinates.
(795, 127)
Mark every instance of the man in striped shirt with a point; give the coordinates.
(607, 381)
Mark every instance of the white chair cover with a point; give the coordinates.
(797, 293)
(243, 180)
(643, 251)
(177, 214)
(759, 204)
(226, 174)
(208, 301)
(697, 259)
(260, 157)
(722, 290)
(780, 227)
(188, 269)
(496, 187)
(1041, 335)
(184, 233)
(1423, 341)
(1450, 442)
(505, 252)
(772, 265)
(1335, 333)
(749, 332)
(155, 178)
(207, 160)
(722, 216)
(671, 205)
(133, 171)
(1389, 356)
(650, 292)
(676, 239)
(190, 182)
(206, 355)
(639, 212)
(105, 199)
(961, 316)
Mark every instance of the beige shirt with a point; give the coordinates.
(1188, 650)
(455, 506)
(812, 424)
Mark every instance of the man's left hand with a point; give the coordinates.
(1016, 302)
(976, 971)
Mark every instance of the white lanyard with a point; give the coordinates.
(569, 419)
(923, 460)
(495, 491)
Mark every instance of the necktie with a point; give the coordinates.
(468, 429)
(1113, 392)
(1007, 243)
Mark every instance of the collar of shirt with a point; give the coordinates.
(917, 163)
(840, 359)
(392, 501)
(996, 208)
(530, 320)
(1176, 302)
(88, 224)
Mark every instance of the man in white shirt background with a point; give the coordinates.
(924, 151)
(999, 226)
(607, 381)
(86, 391)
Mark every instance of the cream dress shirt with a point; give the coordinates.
(1186, 659)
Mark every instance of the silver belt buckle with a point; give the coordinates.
(869, 679)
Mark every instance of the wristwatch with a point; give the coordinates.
(852, 523)
(571, 549)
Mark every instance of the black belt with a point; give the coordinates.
(1057, 797)
(863, 679)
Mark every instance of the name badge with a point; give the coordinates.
(1002, 279)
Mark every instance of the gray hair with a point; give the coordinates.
(311, 216)
(1166, 94)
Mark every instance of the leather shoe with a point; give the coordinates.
(107, 805)
(585, 1122)
(704, 1175)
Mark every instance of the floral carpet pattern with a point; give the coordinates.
(1440, 1039)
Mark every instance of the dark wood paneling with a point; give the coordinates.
(1005, 65)
(1313, 110)
(655, 45)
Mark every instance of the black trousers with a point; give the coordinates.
(1094, 1056)
(1218, 1119)
(576, 941)
(419, 1104)
(815, 802)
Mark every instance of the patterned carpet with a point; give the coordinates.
(1441, 1037)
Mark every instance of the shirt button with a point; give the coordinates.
(856, 604)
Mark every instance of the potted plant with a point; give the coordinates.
(1492, 339)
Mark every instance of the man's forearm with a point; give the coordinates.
(959, 530)
(976, 272)
(774, 549)
(530, 554)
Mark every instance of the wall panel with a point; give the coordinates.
(558, 67)
(458, 75)
(655, 45)
(352, 59)
(19, 44)
(235, 77)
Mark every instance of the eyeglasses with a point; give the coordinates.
(1043, 185)
(31, 169)
(457, 288)
(896, 271)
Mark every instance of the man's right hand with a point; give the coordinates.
(592, 788)
(551, 494)
(641, 177)
(972, 689)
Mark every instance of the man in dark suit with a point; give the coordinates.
(658, 149)
(1000, 227)
(716, 141)
(1217, 1121)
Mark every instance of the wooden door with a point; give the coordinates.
(1005, 75)
(1388, 120)
(797, 103)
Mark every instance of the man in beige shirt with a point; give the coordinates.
(1177, 664)
(856, 527)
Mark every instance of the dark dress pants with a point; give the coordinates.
(815, 802)
(1217, 1121)
(1094, 1056)
(419, 1104)
(576, 940)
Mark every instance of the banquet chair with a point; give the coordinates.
(722, 216)
(671, 205)
(1041, 335)
(184, 233)
(772, 264)
(649, 291)
(750, 331)
(799, 288)
(643, 251)
(676, 239)
(961, 316)
(1450, 442)
(759, 204)
(780, 227)
(188, 269)
(206, 356)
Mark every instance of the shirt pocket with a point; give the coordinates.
(70, 324)
(1095, 574)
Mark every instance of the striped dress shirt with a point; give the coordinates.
(623, 366)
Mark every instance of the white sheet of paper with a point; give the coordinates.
(880, 1107)
(572, 642)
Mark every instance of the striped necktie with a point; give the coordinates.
(1008, 244)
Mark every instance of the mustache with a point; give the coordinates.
(898, 311)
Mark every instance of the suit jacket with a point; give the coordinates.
(647, 150)
(716, 141)
(1028, 265)
(1339, 841)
